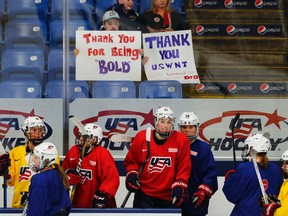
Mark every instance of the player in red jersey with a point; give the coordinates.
(98, 179)
(162, 183)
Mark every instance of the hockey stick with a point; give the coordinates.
(82, 130)
(121, 138)
(254, 153)
(24, 212)
(2, 151)
(232, 128)
(148, 137)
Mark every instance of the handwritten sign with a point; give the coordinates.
(170, 56)
(108, 55)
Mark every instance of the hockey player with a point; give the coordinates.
(279, 207)
(19, 172)
(163, 182)
(98, 180)
(49, 189)
(241, 186)
(202, 183)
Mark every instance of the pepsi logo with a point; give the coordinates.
(258, 3)
(262, 30)
(198, 3)
(200, 87)
(228, 3)
(264, 88)
(200, 29)
(231, 30)
(232, 88)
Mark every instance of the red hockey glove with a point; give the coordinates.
(179, 192)
(132, 182)
(73, 176)
(270, 208)
(4, 163)
(99, 200)
(24, 198)
(202, 195)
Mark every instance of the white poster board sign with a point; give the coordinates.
(108, 55)
(170, 56)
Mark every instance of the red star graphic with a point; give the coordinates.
(148, 118)
(274, 118)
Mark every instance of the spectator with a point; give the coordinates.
(110, 21)
(129, 19)
(172, 19)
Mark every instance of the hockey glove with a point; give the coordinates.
(179, 193)
(73, 176)
(270, 208)
(132, 181)
(202, 195)
(99, 200)
(4, 163)
(24, 198)
(270, 198)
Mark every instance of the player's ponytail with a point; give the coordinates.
(63, 176)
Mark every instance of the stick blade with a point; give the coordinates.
(78, 124)
(121, 138)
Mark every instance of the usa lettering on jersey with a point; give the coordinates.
(157, 164)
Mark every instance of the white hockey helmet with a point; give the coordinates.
(189, 118)
(47, 153)
(33, 121)
(285, 156)
(258, 142)
(94, 130)
(164, 112)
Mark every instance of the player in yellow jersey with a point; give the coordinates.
(20, 174)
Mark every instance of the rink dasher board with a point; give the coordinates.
(106, 212)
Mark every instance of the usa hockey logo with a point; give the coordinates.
(25, 174)
(248, 122)
(259, 3)
(198, 3)
(262, 30)
(200, 30)
(264, 88)
(228, 3)
(232, 88)
(158, 164)
(231, 30)
(200, 87)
